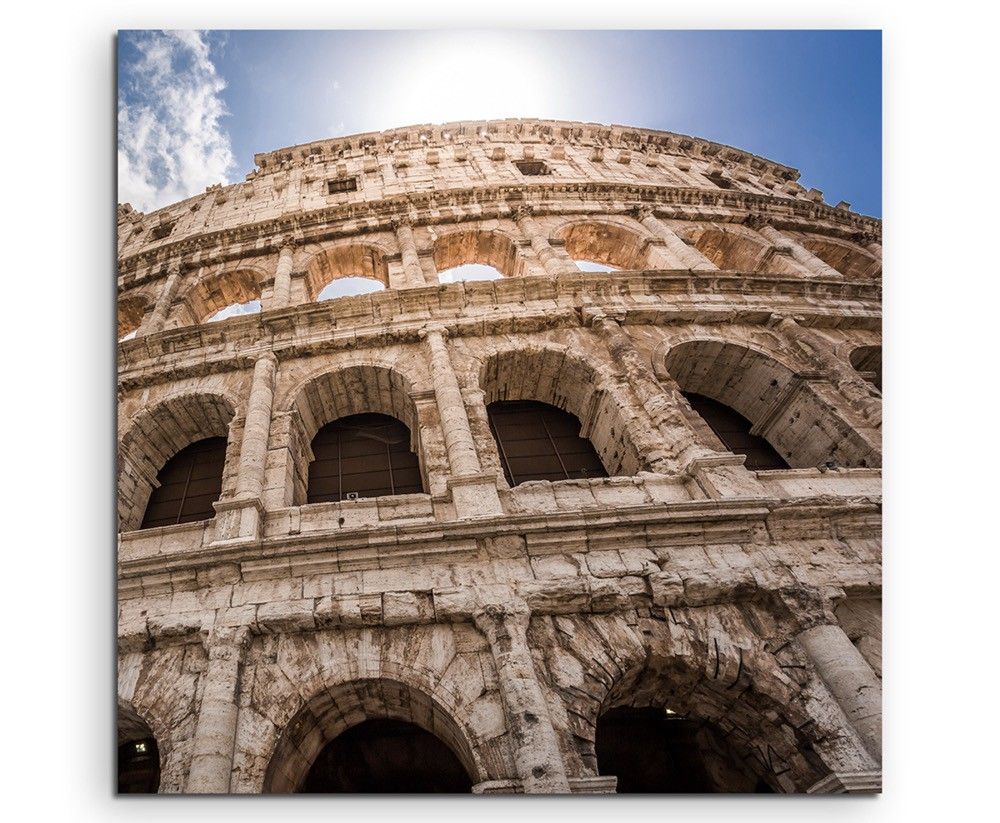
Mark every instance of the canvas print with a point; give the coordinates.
(499, 413)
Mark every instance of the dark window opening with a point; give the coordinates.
(386, 757)
(163, 230)
(651, 751)
(734, 431)
(190, 483)
(138, 767)
(537, 441)
(531, 167)
(342, 185)
(364, 455)
(720, 181)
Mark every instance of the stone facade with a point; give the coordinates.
(507, 621)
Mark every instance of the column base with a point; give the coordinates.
(238, 520)
(724, 476)
(577, 785)
(475, 496)
(848, 783)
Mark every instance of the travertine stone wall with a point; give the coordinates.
(506, 620)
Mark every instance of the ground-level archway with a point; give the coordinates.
(138, 754)
(652, 750)
(365, 734)
(386, 756)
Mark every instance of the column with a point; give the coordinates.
(679, 443)
(282, 294)
(819, 350)
(408, 251)
(688, 256)
(158, 316)
(240, 517)
(850, 680)
(554, 265)
(215, 732)
(537, 757)
(474, 492)
(253, 448)
(799, 253)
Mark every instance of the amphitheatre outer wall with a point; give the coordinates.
(506, 619)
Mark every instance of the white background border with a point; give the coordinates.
(940, 389)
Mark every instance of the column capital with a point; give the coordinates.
(644, 212)
(173, 266)
(226, 642)
(434, 330)
(495, 619)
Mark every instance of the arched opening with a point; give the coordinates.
(187, 485)
(224, 295)
(353, 431)
(867, 361)
(378, 735)
(733, 249)
(363, 455)
(349, 287)
(153, 439)
(791, 415)
(476, 255)
(558, 378)
(468, 272)
(850, 260)
(234, 310)
(138, 755)
(131, 310)
(538, 441)
(345, 271)
(605, 244)
(591, 265)
(654, 750)
(734, 431)
(386, 756)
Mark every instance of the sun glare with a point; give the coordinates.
(469, 76)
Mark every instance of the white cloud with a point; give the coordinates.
(170, 141)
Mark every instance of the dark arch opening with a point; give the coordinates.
(363, 455)
(867, 361)
(651, 750)
(386, 756)
(537, 441)
(733, 429)
(139, 767)
(189, 483)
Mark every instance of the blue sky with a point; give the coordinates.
(195, 107)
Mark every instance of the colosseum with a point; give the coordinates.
(518, 456)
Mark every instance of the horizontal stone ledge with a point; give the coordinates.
(659, 524)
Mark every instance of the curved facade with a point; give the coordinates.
(656, 599)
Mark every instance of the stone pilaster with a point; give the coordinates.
(240, 518)
(412, 269)
(679, 443)
(687, 257)
(820, 351)
(799, 253)
(537, 757)
(158, 317)
(282, 294)
(474, 492)
(849, 678)
(532, 232)
(215, 732)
